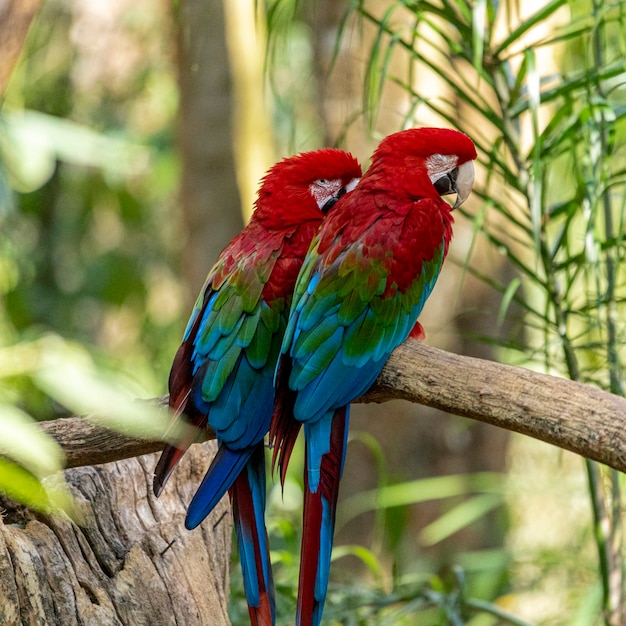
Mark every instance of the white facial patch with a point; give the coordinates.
(324, 189)
(437, 165)
(352, 184)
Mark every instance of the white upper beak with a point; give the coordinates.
(464, 182)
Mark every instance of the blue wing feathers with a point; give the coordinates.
(259, 403)
(331, 368)
(315, 309)
(230, 313)
(319, 396)
(197, 308)
(312, 284)
(221, 344)
(217, 372)
(241, 412)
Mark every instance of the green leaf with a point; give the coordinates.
(479, 20)
(528, 24)
(413, 492)
(514, 285)
(67, 374)
(36, 140)
(24, 442)
(24, 487)
(367, 557)
(459, 517)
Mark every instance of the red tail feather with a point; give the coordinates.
(171, 454)
(418, 332)
(309, 557)
(284, 428)
(167, 462)
(180, 389)
(246, 523)
(316, 541)
(261, 615)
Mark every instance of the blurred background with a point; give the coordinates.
(132, 138)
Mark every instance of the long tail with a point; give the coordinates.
(168, 460)
(248, 504)
(172, 454)
(190, 421)
(226, 466)
(322, 476)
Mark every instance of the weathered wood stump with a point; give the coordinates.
(129, 561)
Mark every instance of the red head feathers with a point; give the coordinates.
(423, 162)
(297, 188)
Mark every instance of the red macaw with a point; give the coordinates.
(222, 375)
(358, 296)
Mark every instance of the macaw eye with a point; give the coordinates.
(323, 182)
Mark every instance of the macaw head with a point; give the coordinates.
(427, 162)
(305, 187)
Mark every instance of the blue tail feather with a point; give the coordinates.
(220, 476)
(248, 501)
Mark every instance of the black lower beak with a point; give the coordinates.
(330, 203)
(447, 183)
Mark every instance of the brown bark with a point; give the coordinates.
(129, 560)
(571, 415)
(209, 195)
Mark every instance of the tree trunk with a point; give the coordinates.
(209, 195)
(128, 560)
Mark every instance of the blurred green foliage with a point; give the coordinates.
(89, 233)
(89, 172)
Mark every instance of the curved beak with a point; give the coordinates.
(342, 191)
(464, 182)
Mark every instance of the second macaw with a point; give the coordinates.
(358, 296)
(222, 373)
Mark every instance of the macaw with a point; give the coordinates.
(359, 293)
(222, 374)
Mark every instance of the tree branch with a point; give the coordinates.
(85, 442)
(571, 415)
